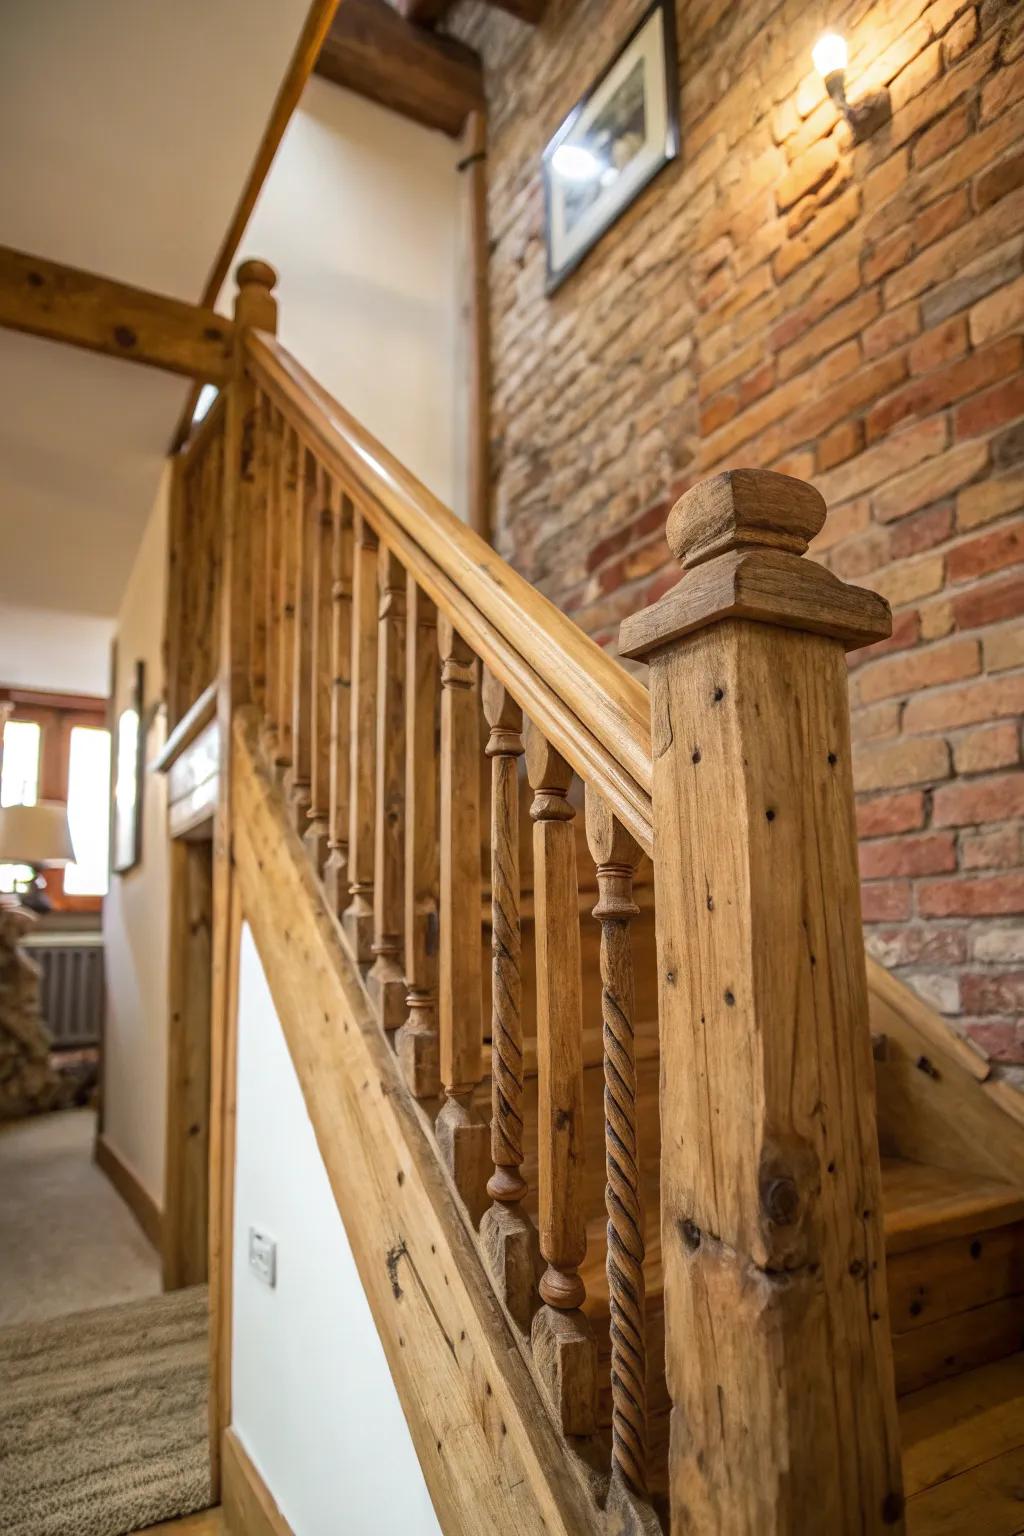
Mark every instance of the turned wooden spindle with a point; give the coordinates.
(336, 868)
(258, 431)
(386, 978)
(461, 1133)
(300, 773)
(508, 1236)
(357, 918)
(417, 1041)
(778, 1351)
(287, 583)
(563, 1341)
(272, 568)
(617, 855)
(317, 829)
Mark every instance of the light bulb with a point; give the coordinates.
(572, 162)
(829, 54)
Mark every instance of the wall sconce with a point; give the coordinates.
(830, 58)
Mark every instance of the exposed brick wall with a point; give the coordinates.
(848, 313)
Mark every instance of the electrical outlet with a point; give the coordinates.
(263, 1257)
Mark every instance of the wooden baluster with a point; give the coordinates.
(461, 1133)
(287, 582)
(617, 856)
(257, 429)
(778, 1352)
(386, 979)
(508, 1236)
(336, 868)
(357, 919)
(272, 572)
(306, 537)
(417, 1040)
(320, 691)
(563, 1341)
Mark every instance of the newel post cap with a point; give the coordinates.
(740, 538)
(255, 304)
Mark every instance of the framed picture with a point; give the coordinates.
(128, 776)
(612, 143)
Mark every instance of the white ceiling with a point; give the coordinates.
(128, 130)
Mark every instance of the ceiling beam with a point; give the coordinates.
(373, 51)
(43, 298)
(426, 12)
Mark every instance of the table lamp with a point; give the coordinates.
(39, 836)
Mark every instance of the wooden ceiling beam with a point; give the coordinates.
(44, 298)
(424, 13)
(373, 51)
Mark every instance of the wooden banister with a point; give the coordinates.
(778, 1351)
(592, 711)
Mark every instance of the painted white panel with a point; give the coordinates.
(359, 216)
(312, 1397)
(135, 913)
(59, 652)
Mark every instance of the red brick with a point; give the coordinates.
(821, 230)
(985, 699)
(884, 460)
(877, 721)
(971, 896)
(941, 219)
(961, 36)
(1000, 1042)
(1004, 88)
(716, 414)
(989, 500)
(899, 763)
(884, 815)
(806, 173)
(991, 746)
(942, 386)
(905, 632)
(915, 534)
(839, 444)
(997, 849)
(987, 552)
(757, 383)
(1004, 649)
(992, 409)
(990, 603)
(842, 523)
(889, 254)
(932, 853)
(929, 945)
(1003, 177)
(891, 330)
(1000, 311)
(828, 333)
(947, 133)
(930, 481)
(923, 668)
(911, 81)
(885, 901)
(979, 801)
(994, 992)
(905, 581)
(945, 344)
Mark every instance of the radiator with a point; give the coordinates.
(72, 985)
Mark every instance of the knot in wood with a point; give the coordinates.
(781, 1201)
(744, 509)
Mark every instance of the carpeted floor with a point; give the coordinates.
(103, 1418)
(68, 1242)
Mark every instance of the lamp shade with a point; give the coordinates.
(36, 834)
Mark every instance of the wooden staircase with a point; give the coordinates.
(574, 983)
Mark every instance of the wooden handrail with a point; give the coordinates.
(195, 719)
(591, 710)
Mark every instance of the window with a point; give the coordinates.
(88, 811)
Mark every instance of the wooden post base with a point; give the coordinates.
(509, 1240)
(464, 1143)
(565, 1353)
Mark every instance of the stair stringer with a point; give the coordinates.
(490, 1455)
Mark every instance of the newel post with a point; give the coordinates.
(778, 1352)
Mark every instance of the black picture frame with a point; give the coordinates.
(565, 251)
(127, 779)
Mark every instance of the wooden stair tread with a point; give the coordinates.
(925, 1204)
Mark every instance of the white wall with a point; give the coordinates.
(312, 1397)
(59, 652)
(135, 913)
(360, 217)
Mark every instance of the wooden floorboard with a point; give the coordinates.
(209, 1522)
(986, 1501)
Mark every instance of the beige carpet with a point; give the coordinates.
(68, 1242)
(103, 1419)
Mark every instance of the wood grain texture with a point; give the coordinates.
(138, 1200)
(386, 978)
(417, 1042)
(285, 574)
(769, 1147)
(462, 1135)
(452, 1355)
(250, 1508)
(320, 686)
(372, 50)
(473, 168)
(44, 298)
(358, 915)
(306, 539)
(336, 868)
(617, 856)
